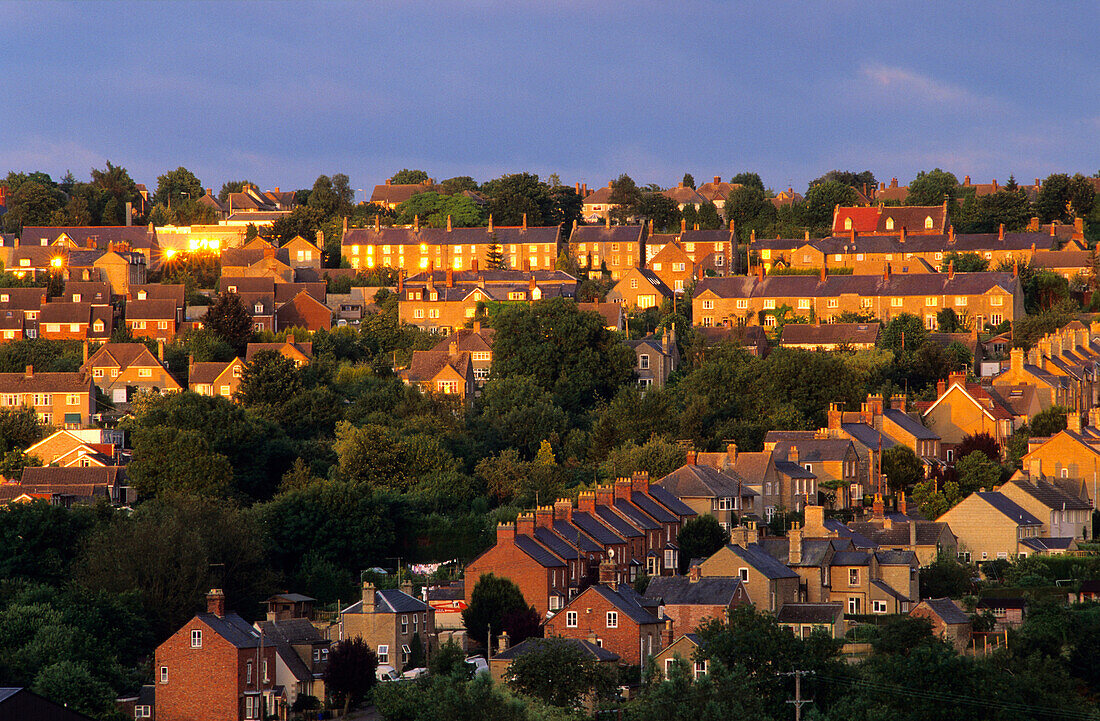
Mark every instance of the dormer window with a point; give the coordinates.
(97, 326)
(847, 224)
(76, 297)
(258, 308)
(889, 223)
(142, 295)
(928, 224)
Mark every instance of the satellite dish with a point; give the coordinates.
(611, 554)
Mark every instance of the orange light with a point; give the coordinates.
(55, 262)
(170, 253)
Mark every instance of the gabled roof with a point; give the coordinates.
(815, 450)
(810, 612)
(208, 371)
(896, 558)
(628, 601)
(755, 556)
(829, 333)
(574, 536)
(621, 526)
(695, 481)
(867, 436)
(598, 653)
(468, 339)
(122, 355)
(595, 529)
(232, 628)
(889, 590)
(670, 501)
(1043, 545)
(851, 558)
(1009, 508)
(556, 544)
(162, 309)
(653, 508)
(1051, 496)
(44, 383)
(681, 590)
(910, 425)
(427, 364)
(537, 552)
(636, 515)
(946, 610)
(390, 601)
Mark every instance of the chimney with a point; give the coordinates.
(898, 401)
(1053, 229)
(792, 453)
(525, 221)
(129, 214)
(853, 235)
(160, 350)
(577, 188)
(453, 347)
(506, 533)
(1038, 182)
(416, 223)
(903, 509)
(450, 278)
(760, 272)
(731, 453)
(400, 281)
(1015, 268)
(824, 271)
(605, 495)
(807, 237)
(531, 283)
(29, 372)
(389, 181)
(377, 223)
(586, 501)
(995, 186)
(835, 417)
(1001, 232)
(717, 179)
(85, 351)
(623, 488)
(794, 538)
(607, 220)
(814, 527)
(449, 228)
(544, 516)
(877, 508)
(901, 235)
(502, 642)
(639, 482)
(215, 602)
(695, 573)
(683, 225)
(966, 181)
(912, 531)
(525, 524)
(368, 597)
(345, 225)
(607, 572)
(951, 234)
(951, 269)
(752, 235)
(886, 272)
(1073, 422)
(473, 265)
(744, 535)
(692, 457)
(563, 510)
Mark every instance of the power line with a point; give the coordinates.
(798, 702)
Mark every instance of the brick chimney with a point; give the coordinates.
(29, 373)
(835, 417)
(695, 573)
(1001, 231)
(794, 539)
(901, 235)
(215, 602)
(449, 228)
(605, 495)
(607, 572)
(760, 273)
(368, 597)
(966, 181)
(506, 532)
(903, 507)
(717, 179)
(1073, 422)
(731, 452)
(85, 350)
(951, 269)
(623, 489)
(792, 453)
(450, 278)
(814, 526)
(744, 534)
(525, 524)
(752, 235)
(898, 402)
(639, 482)
(544, 516)
(877, 508)
(416, 223)
(563, 510)
(345, 225)
(691, 458)
(586, 501)
(525, 221)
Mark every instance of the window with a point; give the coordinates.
(196, 638)
(633, 282)
(668, 666)
(678, 285)
(570, 619)
(810, 467)
(833, 302)
(555, 603)
(996, 318)
(225, 391)
(418, 313)
(97, 372)
(43, 399)
(708, 305)
(895, 302)
(1065, 473)
(996, 300)
(404, 625)
(928, 223)
(145, 372)
(678, 267)
(878, 606)
(471, 312)
(950, 456)
(267, 678)
(847, 224)
(252, 707)
(143, 712)
(854, 605)
(383, 654)
(770, 321)
(236, 371)
(743, 573)
(647, 301)
(889, 223)
(164, 674)
(163, 325)
(643, 362)
(853, 576)
(405, 653)
(742, 303)
(612, 619)
(769, 304)
(670, 558)
(248, 672)
(931, 301)
(232, 289)
(803, 303)
(719, 260)
(657, 267)
(700, 669)
(960, 300)
(433, 312)
(859, 256)
(53, 327)
(258, 308)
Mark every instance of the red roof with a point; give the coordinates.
(864, 220)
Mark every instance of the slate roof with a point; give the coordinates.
(595, 529)
(574, 536)
(468, 339)
(910, 425)
(928, 532)
(138, 236)
(758, 558)
(814, 550)
(809, 612)
(537, 552)
(621, 526)
(695, 481)
(1043, 545)
(867, 435)
(503, 235)
(391, 601)
(603, 234)
(897, 284)
(814, 450)
(653, 508)
(636, 515)
(427, 364)
(628, 601)
(888, 589)
(1051, 496)
(829, 333)
(947, 611)
(851, 558)
(159, 291)
(896, 558)
(556, 544)
(1009, 508)
(670, 501)
(680, 590)
(232, 628)
(598, 653)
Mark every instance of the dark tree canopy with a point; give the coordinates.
(350, 675)
(700, 537)
(229, 320)
(748, 179)
(409, 177)
(559, 673)
(932, 187)
(498, 602)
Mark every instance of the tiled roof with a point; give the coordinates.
(910, 425)
(809, 612)
(502, 235)
(815, 450)
(303, 347)
(636, 515)
(889, 590)
(595, 529)
(867, 436)
(395, 601)
(559, 547)
(896, 558)
(399, 193)
(467, 340)
(537, 552)
(427, 364)
(574, 537)
(603, 234)
(653, 508)
(670, 501)
(680, 590)
(683, 195)
(621, 526)
(903, 284)
(851, 558)
(695, 481)
(138, 236)
(947, 611)
(65, 313)
(1051, 496)
(164, 309)
(1043, 545)
(829, 333)
(207, 372)
(44, 383)
(122, 355)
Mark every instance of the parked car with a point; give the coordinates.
(478, 663)
(414, 673)
(385, 672)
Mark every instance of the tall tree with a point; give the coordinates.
(700, 537)
(689, 181)
(1061, 198)
(409, 177)
(177, 185)
(859, 181)
(559, 673)
(659, 208)
(349, 675)
(625, 195)
(749, 179)
(512, 196)
(229, 320)
(822, 198)
(932, 187)
(232, 186)
(497, 602)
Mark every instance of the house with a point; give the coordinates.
(19, 308)
(478, 342)
(597, 204)
(717, 191)
(303, 311)
(265, 262)
(964, 409)
(301, 655)
(96, 293)
(613, 616)
(18, 703)
(883, 220)
(62, 399)
(612, 313)
(302, 254)
(137, 238)
(990, 525)
(876, 582)
(683, 196)
(1068, 459)
(540, 575)
(1008, 612)
(892, 192)
(420, 248)
(391, 622)
(301, 352)
(1064, 515)
(690, 600)
(639, 288)
(215, 378)
(390, 194)
(141, 706)
(72, 485)
(709, 491)
(809, 554)
(926, 539)
(115, 368)
(610, 249)
(685, 649)
(75, 321)
(671, 264)
(157, 319)
(761, 473)
(833, 463)
(1061, 367)
(159, 291)
(763, 300)
(657, 359)
(785, 198)
(947, 619)
(830, 336)
(449, 372)
(449, 601)
(216, 667)
(501, 662)
(804, 619)
(87, 447)
(769, 583)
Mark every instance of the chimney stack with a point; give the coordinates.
(951, 269)
(29, 371)
(524, 222)
(85, 351)
(794, 550)
(449, 223)
(416, 223)
(345, 225)
(160, 349)
(450, 278)
(878, 510)
(215, 602)
(1001, 232)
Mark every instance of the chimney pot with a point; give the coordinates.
(215, 602)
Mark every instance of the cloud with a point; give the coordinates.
(885, 83)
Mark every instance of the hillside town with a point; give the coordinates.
(531, 450)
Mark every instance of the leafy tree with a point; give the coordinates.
(232, 186)
(72, 684)
(350, 675)
(689, 180)
(41, 540)
(116, 182)
(822, 199)
(269, 379)
(1049, 422)
(848, 177)
(170, 460)
(982, 442)
(934, 498)
(945, 577)
(748, 179)
(303, 221)
(700, 537)
(433, 210)
(947, 321)
(932, 187)
(625, 194)
(31, 203)
(19, 428)
(175, 185)
(749, 210)
(409, 177)
(230, 321)
(494, 255)
(986, 214)
(456, 185)
(332, 197)
(512, 196)
(904, 332)
(708, 217)
(567, 352)
(976, 471)
(1059, 193)
(497, 602)
(661, 209)
(902, 467)
(963, 262)
(657, 457)
(557, 672)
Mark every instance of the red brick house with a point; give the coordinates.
(75, 321)
(690, 600)
(612, 616)
(540, 575)
(303, 311)
(153, 318)
(215, 668)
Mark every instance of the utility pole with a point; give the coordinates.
(798, 701)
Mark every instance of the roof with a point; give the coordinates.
(123, 355)
(503, 235)
(695, 481)
(867, 435)
(670, 501)
(101, 236)
(599, 653)
(755, 555)
(829, 333)
(684, 194)
(1051, 496)
(537, 552)
(888, 589)
(390, 600)
(946, 610)
(628, 601)
(208, 371)
(809, 612)
(44, 383)
(1043, 545)
(1009, 508)
(621, 526)
(867, 285)
(680, 590)
(232, 628)
(896, 558)
(467, 339)
(427, 364)
(851, 558)
(595, 529)
(653, 508)
(636, 515)
(813, 450)
(814, 550)
(573, 536)
(928, 532)
(556, 544)
(910, 425)
(305, 348)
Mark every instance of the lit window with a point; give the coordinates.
(383, 654)
(145, 372)
(742, 304)
(853, 576)
(708, 305)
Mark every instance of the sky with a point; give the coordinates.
(280, 92)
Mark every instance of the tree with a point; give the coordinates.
(708, 217)
(498, 603)
(661, 209)
(435, 210)
(748, 179)
(176, 185)
(229, 320)
(947, 321)
(904, 333)
(494, 255)
(657, 457)
(19, 428)
(120, 187)
(232, 186)
(982, 442)
(350, 673)
(269, 379)
(459, 184)
(823, 198)
(31, 203)
(700, 537)
(625, 195)
(963, 263)
(859, 181)
(332, 197)
(689, 181)
(303, 221)
(72, 684)
(1049, 422)
(932, 187)
(945, 577)
(749, 210)
(175, 461)
(557, 672)
(513, 196)
(1061, 198)
(902, 467)
(976, 471)
(409, 177)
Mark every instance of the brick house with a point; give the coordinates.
(61, 399)
(612, 616)
(117, 367)
(159, 319)
(947, 619)
(301, 352)
(449, 372)
(684, 649)
(834, 462)
(671, 263)
(302, 254)
(215, 668)
(303, 311)
(707, 253)
(709, 491)
(716, 191)
(478, 342)
(72, 485)
(541, 576)
(19, 308)
(690, 600)
(805, 618)
(873, 581)
(159, 291)
(92, 292)
(390, 622)
(882, 220)
(612, 313)
(301, 655)
(639, 288)
(67, 447)
(830, 336)
(501, 662)
(75, 321)
(990, 525)
(963, 409)
(215, 378)
(656, 358)
(768, 583)
(612, 249)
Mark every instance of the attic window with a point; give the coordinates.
(232, 289)
(889, 223)
(259, 308)
(847, 224)
(142, 295)
(928, 224)
(743, 573)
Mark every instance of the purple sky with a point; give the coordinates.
(281, 92)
